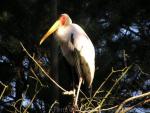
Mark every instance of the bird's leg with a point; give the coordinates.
(78, 68)
(90, 91)
(73, 78)
(79, 86)
(73, 83)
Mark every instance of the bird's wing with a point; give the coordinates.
(85, 52)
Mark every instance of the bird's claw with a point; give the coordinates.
(71, 92)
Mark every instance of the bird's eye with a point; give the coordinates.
(63, 20)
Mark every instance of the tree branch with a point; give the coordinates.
(131, 99)
(5, 87)
(52, 80)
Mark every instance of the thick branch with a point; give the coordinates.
(131, 99)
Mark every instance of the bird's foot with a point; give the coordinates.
(71, 92)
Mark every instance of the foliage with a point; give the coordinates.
(120, 31)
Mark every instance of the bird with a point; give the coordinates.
(76, 47)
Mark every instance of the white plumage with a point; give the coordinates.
(82, 43)
(76, 47)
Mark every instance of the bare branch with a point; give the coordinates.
(14, 105)
(25, 111)
(131, 99)
(110, 108)
(42, 69)
(36, 77)
(113, 71)
(109, 92)
(53, 104)
(5, 87)
(138, 104)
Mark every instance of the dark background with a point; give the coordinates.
(119, 30)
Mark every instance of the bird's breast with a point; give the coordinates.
(62, 34)
(67, 51)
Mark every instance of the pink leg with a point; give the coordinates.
(77, 95)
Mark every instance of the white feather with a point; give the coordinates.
(81, 42)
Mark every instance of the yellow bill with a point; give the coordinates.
(50, 31)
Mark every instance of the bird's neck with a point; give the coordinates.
(62, 34)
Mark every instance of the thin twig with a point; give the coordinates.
(113, 71)
(98, 90)
(131, 99)
(110, 108)
(25, 92)
(125, 58)
(142, 70)
(42, 69)
(17, 101)
(5, 87)
(14, 105)
(138, 104)
(86, 99)
(55, 102)
(103, 100)
(36, 77)
(31, 102)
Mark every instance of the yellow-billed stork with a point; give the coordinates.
(76, 47)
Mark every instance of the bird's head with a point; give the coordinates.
(63, 20)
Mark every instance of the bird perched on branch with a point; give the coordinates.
(76, 47)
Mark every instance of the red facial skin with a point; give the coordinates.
(63, 19)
